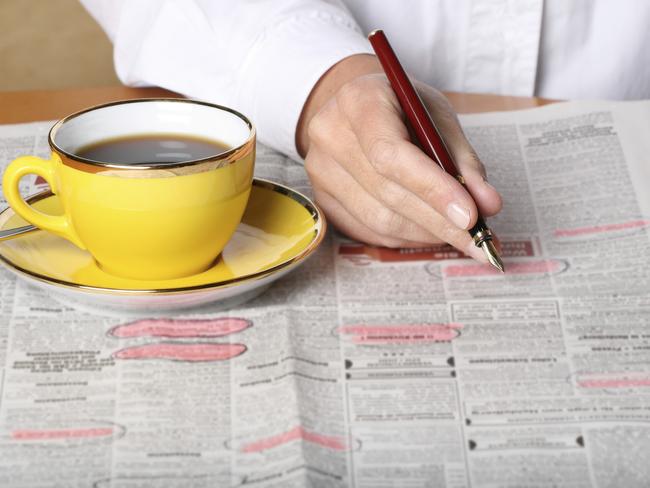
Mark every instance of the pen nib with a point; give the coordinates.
(492, 255)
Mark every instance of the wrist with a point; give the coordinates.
(338, 75)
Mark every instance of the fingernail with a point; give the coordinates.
(458, 215)
(476, 253)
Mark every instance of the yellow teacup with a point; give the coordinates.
(146, 221)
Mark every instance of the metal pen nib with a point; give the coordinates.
(482, 237)
(492, 254)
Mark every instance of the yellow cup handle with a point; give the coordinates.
(24, 165)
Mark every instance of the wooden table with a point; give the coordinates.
(29, 106)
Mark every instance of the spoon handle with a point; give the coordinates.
(5, 235)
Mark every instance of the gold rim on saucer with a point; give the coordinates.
(319, 229)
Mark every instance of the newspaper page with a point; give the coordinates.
(372, 367)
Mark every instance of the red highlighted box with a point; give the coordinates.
(336, 443)
(196, 352)
(401, 334)
(181, 328)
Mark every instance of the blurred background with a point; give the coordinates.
(47, 44)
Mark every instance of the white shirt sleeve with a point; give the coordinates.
(261, 57)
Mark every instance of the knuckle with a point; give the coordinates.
(315, 128)
(469, 161)
(474, 161)
(313, 168)
(319, 128)
(309, 163)
(349, 92)
(385, 222)
(432, 190)
(392, 195)
(382, 154)
(360, 96)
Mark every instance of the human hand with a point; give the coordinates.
(372, 182)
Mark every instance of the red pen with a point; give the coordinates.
(428, 136)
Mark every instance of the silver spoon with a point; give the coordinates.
(5, 235)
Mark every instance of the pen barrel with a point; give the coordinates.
(421, 123)
(428, 137)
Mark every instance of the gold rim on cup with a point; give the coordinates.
(164, 169)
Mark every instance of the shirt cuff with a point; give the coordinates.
(283, 66)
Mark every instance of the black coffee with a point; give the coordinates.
(151, 149)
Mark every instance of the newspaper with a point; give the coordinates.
(373, 367)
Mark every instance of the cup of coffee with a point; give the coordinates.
(152, 188)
